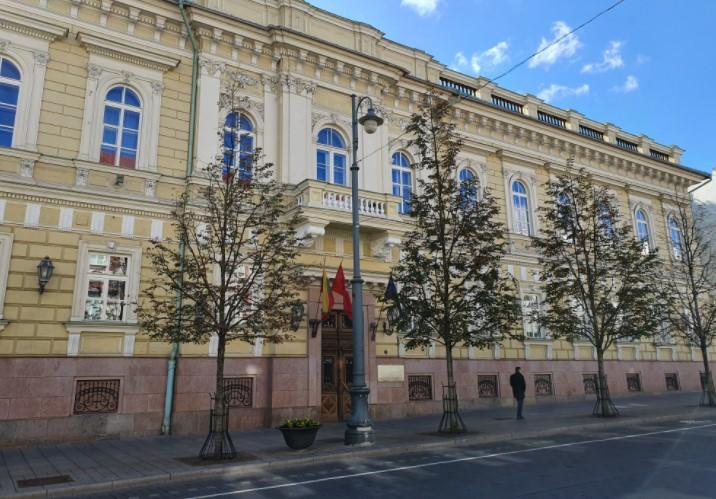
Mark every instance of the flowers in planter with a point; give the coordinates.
(300, 423)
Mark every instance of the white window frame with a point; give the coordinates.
(30, 55)
(401, 186)
(134, 253)
(103, 75)
(639, 224)
(6, 240)
(676, 255)
(523, 227)
(123, 108)
(530, 303)
(238, 133)
(332, 151)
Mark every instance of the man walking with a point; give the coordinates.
(517, 382)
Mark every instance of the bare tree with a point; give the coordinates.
(452, 290)
(688, 292)
(598, 277)
(232, 266)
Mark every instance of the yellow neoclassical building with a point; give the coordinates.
(109, 107)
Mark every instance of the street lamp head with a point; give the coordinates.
(370, 121)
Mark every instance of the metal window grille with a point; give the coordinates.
(591, 133)
(239, 391)
(551, 119)
(625, 144)
(420, 387)
(507, 104)
(96, 396)
(458, 87)
(658, 155)
(672, 382)
(633, 382)
(543, 385)
(590, 383)
(487, 386)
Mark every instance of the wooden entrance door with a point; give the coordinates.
(336, 367)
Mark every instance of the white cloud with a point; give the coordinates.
(566, 47)
(555, 91)
(494, 56)
(459, 62)
(421, 7)
(642, 59)
(629, 85)
(611, 59)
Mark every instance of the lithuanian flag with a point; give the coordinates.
(326, 297)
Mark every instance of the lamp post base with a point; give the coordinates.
(359, 436)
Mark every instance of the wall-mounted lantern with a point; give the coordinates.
(296, 316)
(44, 272)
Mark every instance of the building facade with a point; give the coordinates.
(96, 129)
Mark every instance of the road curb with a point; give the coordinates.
(242, 469)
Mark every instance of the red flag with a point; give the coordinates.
(339, 286)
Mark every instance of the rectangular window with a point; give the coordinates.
(96, 396)
(487, 386)
(543, 385)
(322, 165)
(420, 387)
(106, 287)
(672, 382)
(633, 382)
(239, 391)
(339, 169)
(590, 383)
(530, 311)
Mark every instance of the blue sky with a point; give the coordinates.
(648, 66)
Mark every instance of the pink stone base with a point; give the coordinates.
(37, 394)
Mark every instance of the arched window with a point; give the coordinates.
(565, 214)
(120, 135)
(605, 219)
(9, 94)
(520, 209)
(642, 228)
(239, 135)
(675, 237)
(402, 177)
(331, 157)
(468, 184)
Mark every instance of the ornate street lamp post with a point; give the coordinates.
(359, 429)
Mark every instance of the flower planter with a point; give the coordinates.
(300, 438)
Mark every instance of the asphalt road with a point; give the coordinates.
(676, 460)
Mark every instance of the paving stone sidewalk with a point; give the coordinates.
(111, 464)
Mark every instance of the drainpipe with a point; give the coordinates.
(174, 353)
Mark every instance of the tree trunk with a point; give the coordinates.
(603, 407)
(218, 444)
(709, 392)
(451, 421)
(219, 388)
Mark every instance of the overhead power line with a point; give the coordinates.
(511, 69)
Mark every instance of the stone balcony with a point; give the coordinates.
(324, 204)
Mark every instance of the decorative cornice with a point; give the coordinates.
(36, 28)
(134, 55)
(31, 198)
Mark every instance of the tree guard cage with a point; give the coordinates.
(218, 444)
(451, 422)
(604, 407)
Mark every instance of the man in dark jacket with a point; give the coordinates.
(517, 382)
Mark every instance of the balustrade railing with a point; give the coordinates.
(320, 195)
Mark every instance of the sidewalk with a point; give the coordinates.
(109, 464)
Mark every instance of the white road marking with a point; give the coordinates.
(448, 461)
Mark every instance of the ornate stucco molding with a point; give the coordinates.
(134, 55)
(35, 28)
